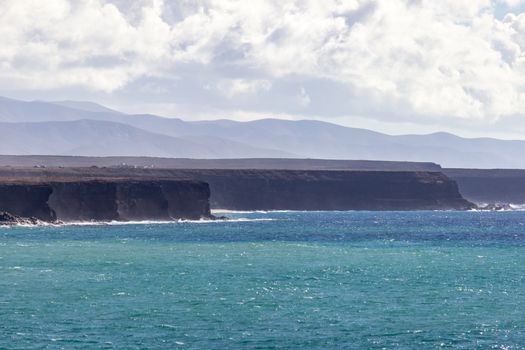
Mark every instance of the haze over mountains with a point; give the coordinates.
(88, 129)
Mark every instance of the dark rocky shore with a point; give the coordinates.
(7, 219)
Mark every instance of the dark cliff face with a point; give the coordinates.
(490, 185)
(27, 201)
(257, 189)
(145, 202)
(334, 191)
(107, 200)
(187, 200)
(84, 201)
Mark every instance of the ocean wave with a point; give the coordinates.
(508, 207)
(140, 222)
(161, 222)
(229, 211)
(39, 224)
(518, 207)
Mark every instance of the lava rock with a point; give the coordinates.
(7, 219)
(495, 207)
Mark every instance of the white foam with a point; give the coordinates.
(141, 222)
(517, 207)
(39, 224)
(228, 211)
(512, 207)
(162, 222)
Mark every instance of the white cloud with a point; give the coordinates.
(513, 3)
(232, 88)
(88, 43)
(425, 59)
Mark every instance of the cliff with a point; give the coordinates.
(490, 185)
(27, 200)
(105, 199)
(332, 190)
(257, 189)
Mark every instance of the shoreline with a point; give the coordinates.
(224, 219)
(127, 223)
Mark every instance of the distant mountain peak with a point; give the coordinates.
(85, 106)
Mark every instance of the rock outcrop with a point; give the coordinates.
(495, 207)
(106, 200)
(7, 219)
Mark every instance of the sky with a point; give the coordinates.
(397, 66)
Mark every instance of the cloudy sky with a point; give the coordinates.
(399, 66)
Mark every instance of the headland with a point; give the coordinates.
(126, 191)
(75, 199)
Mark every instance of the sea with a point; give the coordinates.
(268, 280)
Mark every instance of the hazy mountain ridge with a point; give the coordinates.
(85, 106)
(85, 128)
(94, 137)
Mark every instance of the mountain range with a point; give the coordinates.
(89, 129)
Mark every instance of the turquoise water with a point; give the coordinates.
(321, 280)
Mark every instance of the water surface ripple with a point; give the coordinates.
(295, 280)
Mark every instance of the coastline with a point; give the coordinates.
(128, 223)
(224, 219)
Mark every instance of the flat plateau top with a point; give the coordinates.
(246, 163)
(40, 175)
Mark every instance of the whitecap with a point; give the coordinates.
(230, 211)
(143, 222)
